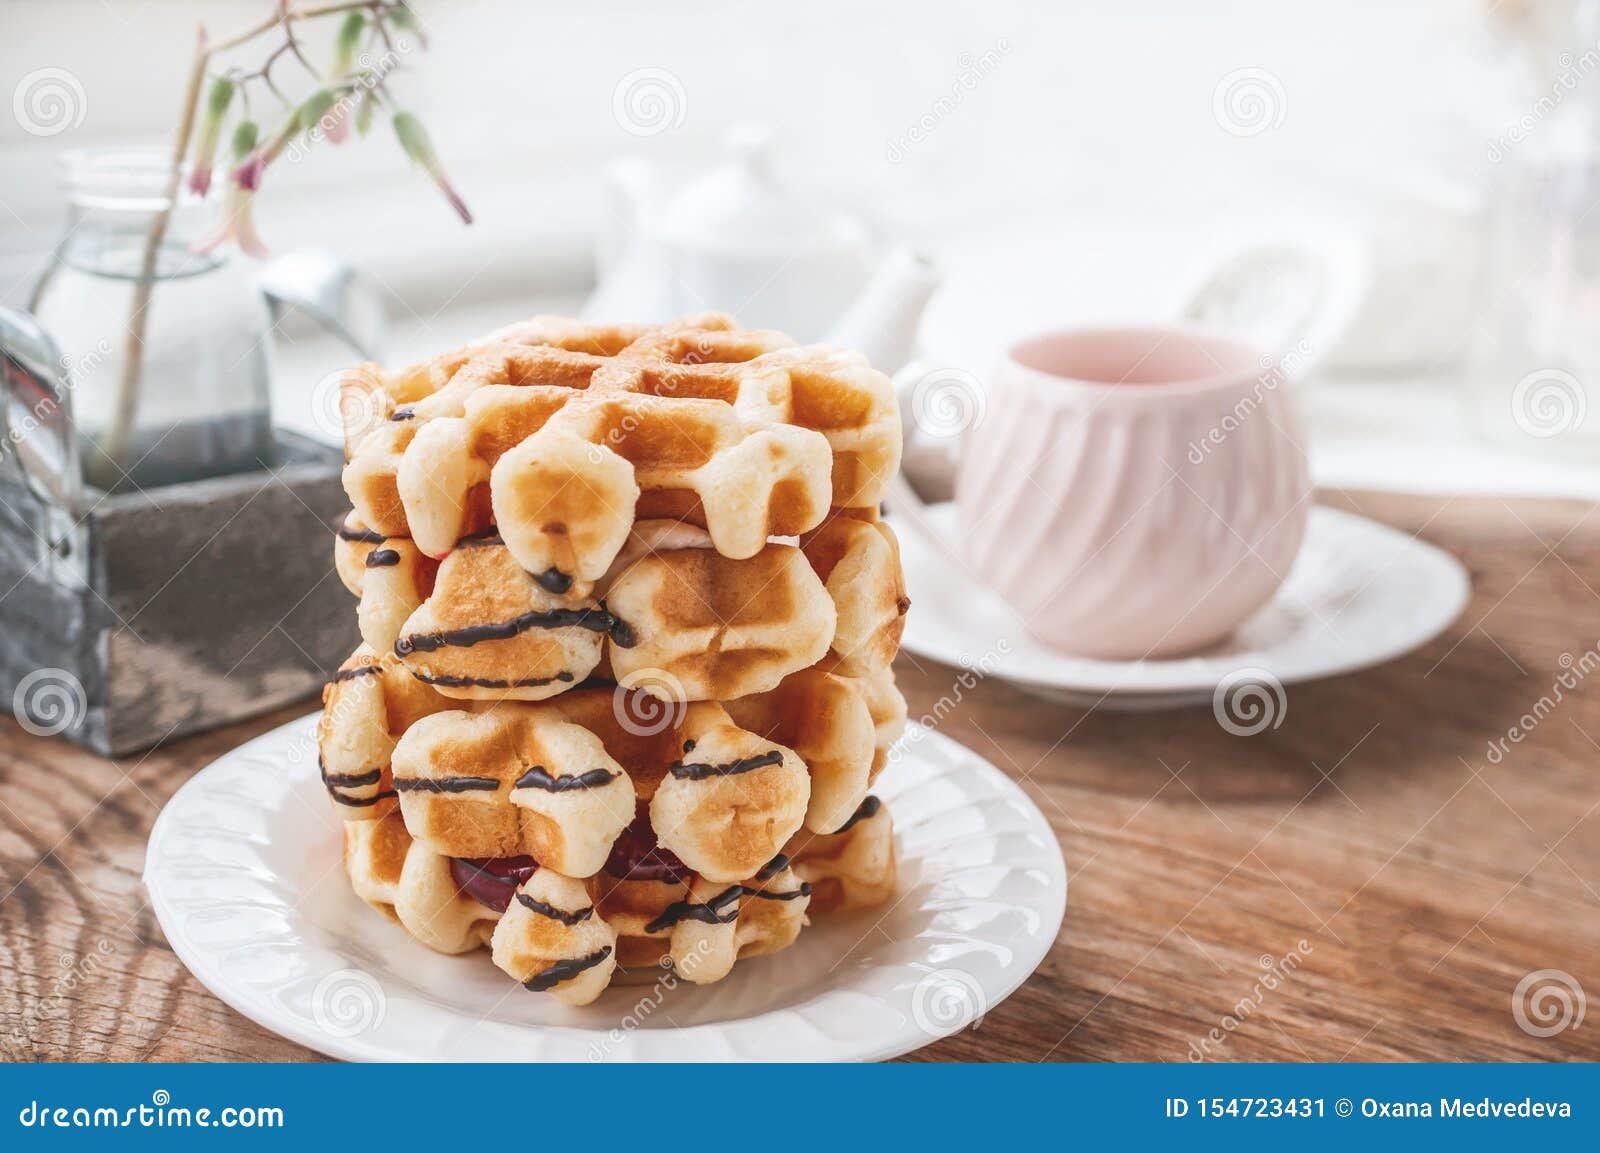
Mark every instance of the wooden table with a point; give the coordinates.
(1393, 880)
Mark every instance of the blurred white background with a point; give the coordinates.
(1094, 167)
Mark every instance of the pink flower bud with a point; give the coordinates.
(205, 146)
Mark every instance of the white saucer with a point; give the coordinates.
(243, 872)
(1359, 594)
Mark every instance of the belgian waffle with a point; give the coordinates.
(563, 435)
(646, 911)
(696, 624)
(369, 703)
(628, 614)
(726, 786)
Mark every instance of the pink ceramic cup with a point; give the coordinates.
(1133, 492)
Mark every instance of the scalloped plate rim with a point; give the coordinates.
(709, 1040)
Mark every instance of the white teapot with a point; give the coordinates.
(735, 240)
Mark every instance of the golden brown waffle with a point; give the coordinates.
(563, 435)
(672, 613)
(369, 703)
(392, 578)
(599, 707)
(858, 559)
(570, 937)
(542, 780)
(853, 868)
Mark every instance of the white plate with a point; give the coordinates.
(243, 872)
(1359, 594)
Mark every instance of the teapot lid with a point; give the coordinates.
(739, 205)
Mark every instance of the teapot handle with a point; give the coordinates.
(343, 301)
(1292, 297)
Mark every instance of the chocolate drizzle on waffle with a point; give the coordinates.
(697, 771)
(621, 632)
(865, 811)
(382, 558)
(722, 909)
(596, 620)
(565, 971)
(446, 784)
(334, 782)
(451, 681)
(719, 910)
(773, 867)
(358, 671)
(545, 909)
(348, 780)
(554, 581)
(404, 413)
(362, 802)
(786, 895)
(538, 777)
(360, 535)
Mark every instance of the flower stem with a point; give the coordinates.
(126, 408)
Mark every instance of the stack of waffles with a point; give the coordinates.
(627, 613)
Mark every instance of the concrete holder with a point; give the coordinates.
(177, 609)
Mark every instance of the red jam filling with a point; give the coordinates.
(637, 857)
(491, 881)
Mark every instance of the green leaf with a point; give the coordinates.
(245, 135)
(220, 96)
(413, 138)
(364, 112)
(316, 106)
(349, 38)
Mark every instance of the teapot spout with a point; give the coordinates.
(882, 323)
(632, 192)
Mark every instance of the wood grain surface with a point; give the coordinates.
(1364, 882)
